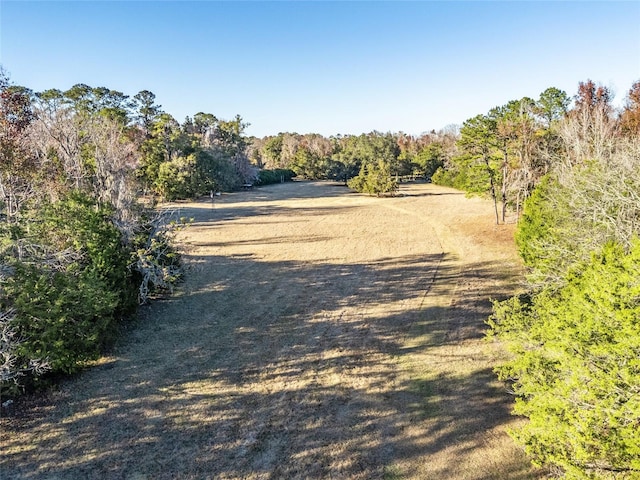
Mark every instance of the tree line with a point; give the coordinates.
(370, 163)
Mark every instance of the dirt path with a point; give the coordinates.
(319, 334)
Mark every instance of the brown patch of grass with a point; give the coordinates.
(319, 334)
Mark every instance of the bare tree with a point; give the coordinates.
(630, 116)
(16, 160)
(56, 136)
(589, 133)
(112, 180)
(596, 193)
(88, 152)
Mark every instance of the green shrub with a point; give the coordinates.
(539, 227)
(69, 285)
(65, 317)
(443, 177)
(177, 178)
(80, 224)
(216, 172)
(576, 367)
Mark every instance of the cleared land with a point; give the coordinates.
(319, 334)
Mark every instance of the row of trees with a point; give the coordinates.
(80, 246)
(202, 154)
(506, 152)
(503, 153)
(365, 157)
(173, 160)
(574, 334)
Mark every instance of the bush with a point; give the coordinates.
(539, 237)
(68, 277)
(66, 317)
(177, 178)
(12, 365)
(444, 177)
(68, 283)
(576, 367)
(216, 172)
(79, 224)
(156, 262)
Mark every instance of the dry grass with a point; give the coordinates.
(319, 334)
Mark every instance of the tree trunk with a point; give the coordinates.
(493, 189)
(505, 168)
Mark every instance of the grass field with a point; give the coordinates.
(318, 334)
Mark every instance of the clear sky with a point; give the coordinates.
(324, 67)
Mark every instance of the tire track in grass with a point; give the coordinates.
(451, 372)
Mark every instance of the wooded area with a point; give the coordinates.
(82, 242)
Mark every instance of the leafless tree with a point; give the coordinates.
(88, 152)
(16, 159)
(597, 192)
(589, 133)
(113, 182)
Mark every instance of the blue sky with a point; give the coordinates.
(324, 67)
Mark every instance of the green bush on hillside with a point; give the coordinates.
(543, 235)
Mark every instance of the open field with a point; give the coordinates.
(319, 334)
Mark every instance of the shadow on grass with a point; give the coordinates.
(279, 370)
(231, 206)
